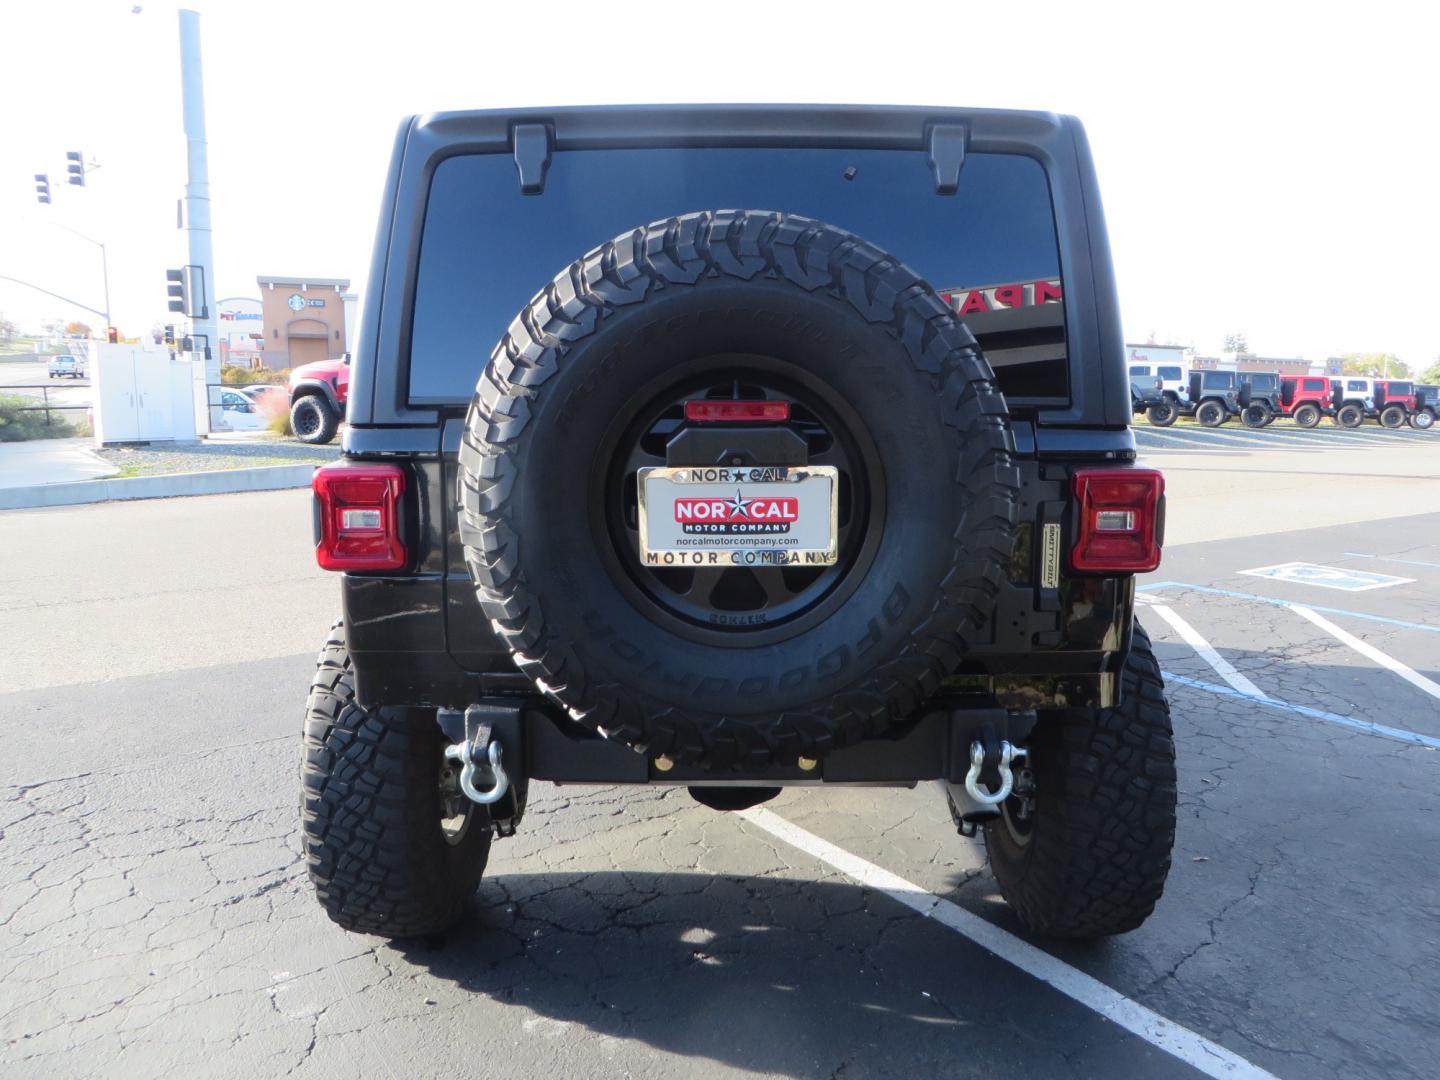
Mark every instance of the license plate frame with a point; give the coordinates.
(777, 515)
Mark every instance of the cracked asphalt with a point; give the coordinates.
(155, 919)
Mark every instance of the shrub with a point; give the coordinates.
(18, 423)
(238, 376)
(277, 408)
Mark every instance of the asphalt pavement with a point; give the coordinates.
(155, 918)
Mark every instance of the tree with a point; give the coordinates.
(77, 329)
(1375, 365)
(1430, 374)
(1236, 343)
(8, 329)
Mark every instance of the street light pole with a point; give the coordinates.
(104, 264)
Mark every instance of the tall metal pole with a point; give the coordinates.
(105, 270)
(197, 198)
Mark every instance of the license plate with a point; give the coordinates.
(764, 516)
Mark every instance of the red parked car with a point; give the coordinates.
(1395, 402)
(1305, 398)
(317, 398)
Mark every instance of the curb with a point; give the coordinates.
(168, 486)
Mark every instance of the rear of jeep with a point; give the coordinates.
(737, 448)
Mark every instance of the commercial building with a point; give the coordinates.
(1287, 365)
(240, 323)
(304, 319)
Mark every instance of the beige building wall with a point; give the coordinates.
(304, 320)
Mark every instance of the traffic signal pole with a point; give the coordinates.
(197, 200)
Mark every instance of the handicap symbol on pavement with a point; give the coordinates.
(1327, 577)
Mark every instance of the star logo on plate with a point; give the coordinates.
(740, 506)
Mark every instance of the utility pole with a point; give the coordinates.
(197, 200)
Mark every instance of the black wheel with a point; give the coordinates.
(726, 665)
(1349, 416)
(392, 845)
(1270, 417)
(1392, 416)
(1255, 416)
(1082, 848)
(1162, 414)
(1210, 414)
(1423, 420)
(313, 420)
(1306, 415)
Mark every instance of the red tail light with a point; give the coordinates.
(1119, 529)
(359, 516)
(765, 411)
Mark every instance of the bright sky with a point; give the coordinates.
(1268, 168)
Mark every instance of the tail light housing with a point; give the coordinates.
(764, 411)
(358, 512)
(1120, 520)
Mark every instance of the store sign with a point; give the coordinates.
(239, 316)
(300, 303)
(1020, 294)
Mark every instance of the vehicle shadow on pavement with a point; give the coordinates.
(775, 975)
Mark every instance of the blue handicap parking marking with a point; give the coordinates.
(1327, 577)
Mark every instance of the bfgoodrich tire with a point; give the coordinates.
(1082, 849)
(313, 420)
(1210, 414)
(1349, 416)
(388, 853)
(747, 299)
(1255, 416)
(1163, 414)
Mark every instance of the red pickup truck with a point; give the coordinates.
(317, 398)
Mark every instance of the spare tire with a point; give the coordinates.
(747, 666)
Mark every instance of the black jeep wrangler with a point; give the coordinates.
(673, 459)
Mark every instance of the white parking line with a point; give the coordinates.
(1223, 667)
(1364, 648)
(1180, 1042)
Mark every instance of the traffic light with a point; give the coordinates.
(112, 335)
(169, 333)
(178, 289)
(42, 187)
(75, 166)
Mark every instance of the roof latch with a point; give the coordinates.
(531, 143)
(947, 154)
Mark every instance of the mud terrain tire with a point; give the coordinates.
(1095, 854)
(702, 293)
(370, 812)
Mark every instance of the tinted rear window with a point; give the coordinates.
(1218, 380)
(990, 250)
(1170, 373)
(1314, 384)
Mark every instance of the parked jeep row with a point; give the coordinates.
(1258, 399)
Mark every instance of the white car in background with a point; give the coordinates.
(242, 412)
(66, 364)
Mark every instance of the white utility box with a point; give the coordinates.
(140, 396)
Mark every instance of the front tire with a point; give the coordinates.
(387, 851)
(1255, 416)
(1349, 416)
(1307, 416)
(1163, 414)
(1423, 420)
(1210, 414)
(313, 420)
(1082, 849)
